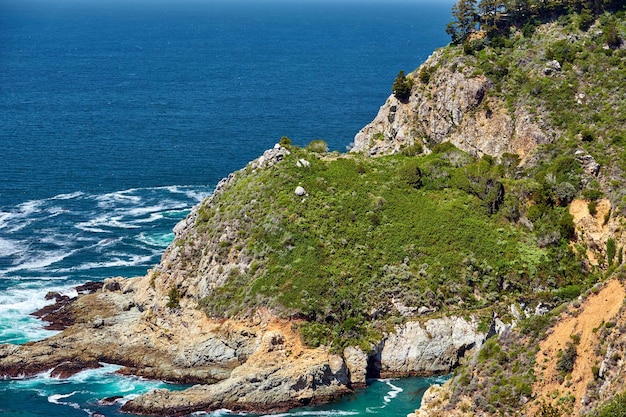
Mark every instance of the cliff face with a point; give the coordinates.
(454, 105)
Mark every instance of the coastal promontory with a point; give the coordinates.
(476, 227)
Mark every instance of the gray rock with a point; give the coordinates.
(541, 309)
(300, 191)
(423, 310)
(303, 163)
(434, 347)
(356, 361)
(588, 163)
(448, 108)
(551, 67)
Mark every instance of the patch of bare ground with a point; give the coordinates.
(569, 390)
(592, 229)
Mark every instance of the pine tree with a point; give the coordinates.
(488, 9)
(402, 87)
(466, 19)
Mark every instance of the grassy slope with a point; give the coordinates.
(415, 229)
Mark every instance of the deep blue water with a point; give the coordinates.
(117, 116)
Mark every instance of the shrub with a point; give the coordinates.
(549, 410)
(592, 194)
(569, 292)
(611, 35)
(528, 30)
(587, 135)
(402, 87)
(284, 141)
(562, 51)
(613, 408)
(566, 226)
(413, 150)
(174, 298)
(585, 20)
(426, 74)
(444, 147)
(413, 176)
(565, 193)
(610, 250)
(566, 362)
(318, 146)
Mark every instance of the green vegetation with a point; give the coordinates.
(610, 251)
(285, 141)
(174, 298)
(318, 146)
(427, 230)
(581, 102)
(402, 87)
(549, 410)
(567, 359)
(497, 17)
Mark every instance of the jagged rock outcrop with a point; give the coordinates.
(357, 362)
(453, 105)
(253, 365)
(276, 377)
(197, 263)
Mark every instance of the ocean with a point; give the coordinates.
(116, 117)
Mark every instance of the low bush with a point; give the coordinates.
(318, 146)
(565, 363)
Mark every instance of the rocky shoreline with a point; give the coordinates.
(256, 365)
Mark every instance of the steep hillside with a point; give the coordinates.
(549, 103)
(557, 91)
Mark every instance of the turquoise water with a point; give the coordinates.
(117, 117)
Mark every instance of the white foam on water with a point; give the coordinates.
(197, 193)
(18, 219)
(54, 398)
(114, 261)
(151, 219)
(391, 394)
(38, 262)
(142, 211)
(101, 222)
(19, 301)
(30, 207)
(69, 196)
(97, 375)
(329, 413)
(10, 247)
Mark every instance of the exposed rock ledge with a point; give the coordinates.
(256, 365)
(454, 105)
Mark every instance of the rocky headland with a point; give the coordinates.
(486, 237)
(256, 363)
